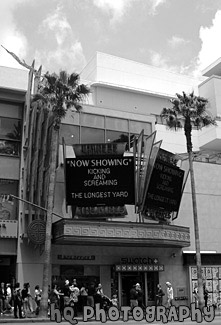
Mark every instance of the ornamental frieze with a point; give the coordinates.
(109, 231)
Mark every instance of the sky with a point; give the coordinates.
(183, 36)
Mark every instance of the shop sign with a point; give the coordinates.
(76, 257)
(101, 211)
(165, 188)
(139, 260)
(100, 181)
(99, 149)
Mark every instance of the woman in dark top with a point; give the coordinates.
(159, 295)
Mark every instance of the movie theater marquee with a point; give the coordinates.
(92, 181)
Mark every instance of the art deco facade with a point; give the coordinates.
(112, 246)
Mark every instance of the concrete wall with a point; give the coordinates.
(122, 72)
(208, 190)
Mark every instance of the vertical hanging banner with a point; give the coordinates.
(138, 157)
(153, 155)
(164, 191)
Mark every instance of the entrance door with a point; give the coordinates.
(148, 282)
(152, 281)
(127, 282)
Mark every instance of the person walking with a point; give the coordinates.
(74, 293)
(17, 301)
(99, 295)
(133, 297)
(91, 293)
(139, 295)
(195, 295)
(169, 294)
(159, 295)
(205, 294)
(37, 298)
(2, 298)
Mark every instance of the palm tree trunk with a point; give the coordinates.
(50, 205)
(196, 230)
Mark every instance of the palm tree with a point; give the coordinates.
(56, 93)
(190, 111)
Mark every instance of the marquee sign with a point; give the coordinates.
(92, 181)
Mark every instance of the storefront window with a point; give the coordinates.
(212, 279)
(8, 206)
(92, 135)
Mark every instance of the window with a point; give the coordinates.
(70, 133)
(10, 136)
(92, 135)
(137, 126)
(8, 207)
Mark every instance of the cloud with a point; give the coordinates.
(115, 8)
(57, 23)
(158, 60)
(66, 51)
(176, 41)
(154, 4)
(211, 44)
(162, 62)
(10, 37)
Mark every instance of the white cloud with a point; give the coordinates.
(67, 53)
(10, 37)
(58, 24)
(154, 4)
(116, 8)
(176, 41)
(159, 61)
(211, 43)
(69, 58)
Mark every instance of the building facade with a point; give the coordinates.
(111, 246)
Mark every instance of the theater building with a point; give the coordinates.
(114, 245)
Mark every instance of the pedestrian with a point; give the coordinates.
(74, 293)
(55, 296)
(205, 294)
(24, 296)
(99, 295)
(30, 307)
(37, 298)
(83, 296)
(133, 297)
(195, 295)
(2, 298)
(139, 295)
(17, 301)
(91, 294)
(66, 292)
(159, 295)
(8, 297)
(114, 301)
(169, 294)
